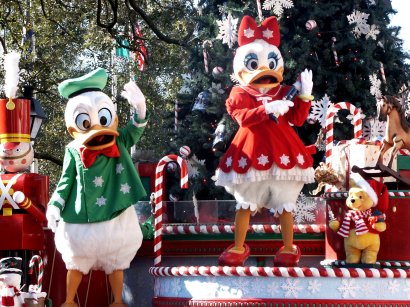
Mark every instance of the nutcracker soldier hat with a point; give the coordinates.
(93, 81)
(14, 112)
(10, 265)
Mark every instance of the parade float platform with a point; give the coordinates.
(188, 274)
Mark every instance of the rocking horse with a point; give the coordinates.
(397, 130)
(390, 109)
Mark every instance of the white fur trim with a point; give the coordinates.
(363, 184)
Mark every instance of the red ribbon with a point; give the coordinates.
(88, 156)
(268, 31)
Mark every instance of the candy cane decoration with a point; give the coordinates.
(40, 270)
(159, 187)
(357, 125)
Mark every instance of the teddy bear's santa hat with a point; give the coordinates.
(376, 190)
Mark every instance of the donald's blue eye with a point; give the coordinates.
(251, 61)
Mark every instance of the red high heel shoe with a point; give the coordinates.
(228, 258)
(287, 259)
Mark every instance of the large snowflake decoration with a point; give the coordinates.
(292, 287)
(193, 166)
(349, 288)
(227, 30)
(277, 6)
(305, 209)
(375, 84)
(319, 110)
(394, 287)
(407, 289)
(360, 20)
(373, 32)
(314, 286)
(216, 89)
(373, 129)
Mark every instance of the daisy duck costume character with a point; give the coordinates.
(266, 164)
(91, 210)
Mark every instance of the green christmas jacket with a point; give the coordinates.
(104, 190)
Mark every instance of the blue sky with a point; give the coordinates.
(402, 19)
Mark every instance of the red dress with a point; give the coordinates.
(267, 149)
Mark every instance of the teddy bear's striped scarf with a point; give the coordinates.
(358, 217)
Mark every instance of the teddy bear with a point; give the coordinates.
(367, 202)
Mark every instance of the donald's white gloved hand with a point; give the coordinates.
(53, 216)
(136, 98)
(306, 83)
(278, 107)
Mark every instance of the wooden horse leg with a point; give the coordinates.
(385, 147)
(398, 144)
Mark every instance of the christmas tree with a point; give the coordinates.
(354, 54)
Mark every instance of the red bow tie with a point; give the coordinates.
(88, 156)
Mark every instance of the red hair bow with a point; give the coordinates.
(268, 31)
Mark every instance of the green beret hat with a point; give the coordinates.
(93, 81)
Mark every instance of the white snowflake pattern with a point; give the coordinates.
(305, 209)
(407, 289)
(373, 129)
(314, 286)
(277, 6)
(228, 162)
(98, 181)
(360, 20)
(216, 89)
(368, 288)
(263, 160)
(284, 159)
(319, 110)
(271, 289)
(394, 286)
(242, 162)
(119, 168)
(193, 165)
(373, 32)
(375, 85)
(227, 30)
(292, 287)
(101, 201)
(348, 288)
(301, 159)
(125, 188)
(249, 33)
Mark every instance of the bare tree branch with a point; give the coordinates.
(43, 10)
(48, 157)
(114, 8)
(3, 44)
(153, 27)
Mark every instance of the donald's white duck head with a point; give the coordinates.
(258, 62)
(90, 115)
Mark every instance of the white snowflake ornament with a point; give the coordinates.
(373, 32)
(277, 6)
(228, 30)
(319, 110)
(360, 20)
(305, 209)
(375, 84)
(373, 129)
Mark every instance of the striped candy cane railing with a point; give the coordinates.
(159, 188)
(357, 126)
(40, 270)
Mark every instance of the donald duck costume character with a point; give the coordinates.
(266, 164)
(98, 227)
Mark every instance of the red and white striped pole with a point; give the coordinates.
(159, 188)
(357, 125)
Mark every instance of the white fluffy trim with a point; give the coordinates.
(276, 173)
